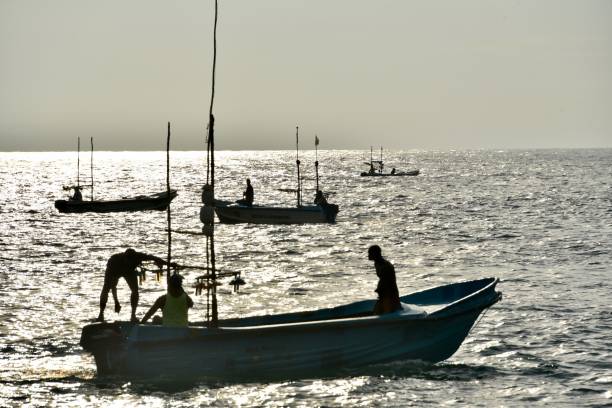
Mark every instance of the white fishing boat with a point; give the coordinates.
(430, 328)
(324, 212)
(376, 168)
(311, 214)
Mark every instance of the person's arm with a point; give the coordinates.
(158, 261)
(189, 301)
(159, 304)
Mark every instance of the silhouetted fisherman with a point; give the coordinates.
(123, 265)
(320, 199)
(388, 295)
(248, 195)
(174, 305)
(77, 196)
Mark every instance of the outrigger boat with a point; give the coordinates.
(376, 169)
(430, 328)
(233, 213)
(156, 201)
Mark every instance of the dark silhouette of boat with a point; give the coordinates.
(158, 201)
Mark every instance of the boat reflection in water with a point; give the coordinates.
(430, 328)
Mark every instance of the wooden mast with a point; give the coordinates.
(168, 208)
(91, 169)
(297, 161)
(78, 161)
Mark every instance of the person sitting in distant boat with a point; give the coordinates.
(77, 196)
(174, 305)
(248, 195)
(393, 170)
(320, 199)
(388, 295)
(123, 265)
(371, 171)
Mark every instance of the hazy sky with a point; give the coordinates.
(422, 74)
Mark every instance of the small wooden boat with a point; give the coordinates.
(158, 201)
(255, 214)
(430, 328)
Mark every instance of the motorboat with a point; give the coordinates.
(157, 201)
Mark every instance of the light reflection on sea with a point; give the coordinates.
(540, 220)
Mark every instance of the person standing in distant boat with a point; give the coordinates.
(388, 295)
(174, 305)
(123, 265)
(248, 195)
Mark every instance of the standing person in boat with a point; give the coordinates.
(174, 304)
(248, 195)
(388, 295)
(123, 265)
(77, 196)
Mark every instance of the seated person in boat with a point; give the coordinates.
(77, 196)
(371, 171)
(248, 195)
(388, 295)
(174, 304)
(123, 265)
(320, 199)
(393, 170)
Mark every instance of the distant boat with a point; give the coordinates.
(260, 214)
(376, 169)
(235, 213)
(76, 204)
(431, 326)
(158, 201)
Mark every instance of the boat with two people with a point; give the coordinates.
(245, 211)
(76, 203)
(376, 168)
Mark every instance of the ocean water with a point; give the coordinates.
(540, 220)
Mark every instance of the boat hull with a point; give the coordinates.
(290, 345)
(232, 214)
(158, 201)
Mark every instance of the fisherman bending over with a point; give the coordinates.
(248, 195)
(123, 265)
(388, 295)
(174, 304)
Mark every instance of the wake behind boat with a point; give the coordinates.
(158, 201)
(431, 326)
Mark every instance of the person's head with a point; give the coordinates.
(249, 182)
(175, 284)
(374, 253)
(319, 193)
(130, 252)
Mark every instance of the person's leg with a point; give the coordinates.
(132, 282)
(110, 283)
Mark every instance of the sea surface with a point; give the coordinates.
(540, 220)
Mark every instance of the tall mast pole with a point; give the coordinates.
(317, 161)
(78, 161)
(168, 208)
(212, 287)
(91, 169)
(297, 161)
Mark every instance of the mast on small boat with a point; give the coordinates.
(78, 161)
(317, 161)
(91, 170)
(297, 161)
(168, 209)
